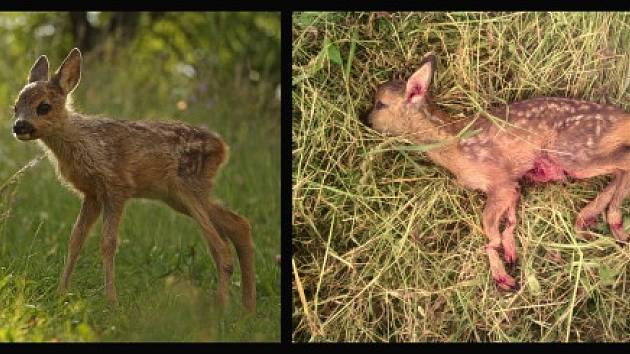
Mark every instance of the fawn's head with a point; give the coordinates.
(41, 105)
(400, 106)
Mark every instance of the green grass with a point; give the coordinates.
(165, 276)
(387, 247)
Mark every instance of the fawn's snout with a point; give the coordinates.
(41, 105)
(399, 104)
(23, 130)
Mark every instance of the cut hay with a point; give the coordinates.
(387, 247)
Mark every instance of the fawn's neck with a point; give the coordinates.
(65, 141)
(437, 128)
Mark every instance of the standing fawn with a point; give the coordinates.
(544, 139)
(109, 161)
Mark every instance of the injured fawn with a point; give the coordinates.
(544, 139)
(109, 161)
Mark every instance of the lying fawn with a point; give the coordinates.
(109, 161)
(544, 139)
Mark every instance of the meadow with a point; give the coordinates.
(165, 275)
(386, 246)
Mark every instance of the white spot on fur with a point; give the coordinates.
(589, 141)
(481, 154)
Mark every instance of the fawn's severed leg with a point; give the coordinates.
(587, 217)
(507, 236)
(500, 200)
(614, 217)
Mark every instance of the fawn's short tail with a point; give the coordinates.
(218, 153)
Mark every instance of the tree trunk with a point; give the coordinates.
(123, 25)
(83, 32)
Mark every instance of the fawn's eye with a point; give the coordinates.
(379, 105)
(43, 108)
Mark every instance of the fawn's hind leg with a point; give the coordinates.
(587, 217)
(507, 236)
(499, 201)
(614, 217)
(90, 210)
(197, 208)
(238, 230)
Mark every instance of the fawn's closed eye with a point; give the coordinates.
(43, 108)
(379, 105)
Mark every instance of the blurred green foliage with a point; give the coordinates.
(205, 49)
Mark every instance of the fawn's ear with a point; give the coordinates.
(69, 73)
(418, 83)
(39, 71)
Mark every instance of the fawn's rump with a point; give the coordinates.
(585, 151)
(202, 158)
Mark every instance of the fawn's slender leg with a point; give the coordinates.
(587, 217)
(238, 230)
(90, 209)
(507, 236)
(614, 217)
(112, 214)
(499, 201)
(219, 248)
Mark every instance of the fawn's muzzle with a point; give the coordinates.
(23, 129)
(365, 118)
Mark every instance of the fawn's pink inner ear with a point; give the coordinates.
(414, 90)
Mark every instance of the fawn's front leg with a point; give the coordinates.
(500, 199)
(90, 210)
(112, 213)
(614, 217)
(507, 236)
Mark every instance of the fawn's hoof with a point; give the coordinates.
(584, 234)
(620, 234)
(582, 226)
(585, 223)
(510, 257)
(507, 283)
(622, 242)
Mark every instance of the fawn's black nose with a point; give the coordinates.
(365, 118)
(22, 127)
